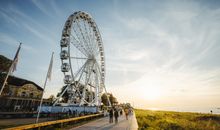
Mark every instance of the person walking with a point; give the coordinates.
(126, 113)
(121, 112)
(116, 116)
(111, 115)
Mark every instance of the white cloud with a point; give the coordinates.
(8, 40)
(51, 9)
(39, 34)
(20, 19)
(41, 6)
(171, 50)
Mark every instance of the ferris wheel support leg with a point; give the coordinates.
(57, 99)
(96, 99)
(84, 89)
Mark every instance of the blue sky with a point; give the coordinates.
(158, 53)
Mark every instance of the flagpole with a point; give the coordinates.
(6, 78)
(45, 83)
(10, 69)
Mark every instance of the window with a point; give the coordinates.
(23, 94)
(31, 95)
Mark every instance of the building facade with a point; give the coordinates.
(20, 95)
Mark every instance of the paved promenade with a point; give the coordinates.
(103, 124)
(4, 123)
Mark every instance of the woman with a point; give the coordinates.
(126, 113)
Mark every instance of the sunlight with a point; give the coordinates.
(152, 93)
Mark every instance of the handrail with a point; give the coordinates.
(37, 125)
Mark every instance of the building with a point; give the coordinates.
(20, 95)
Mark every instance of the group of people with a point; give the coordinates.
(113, 112)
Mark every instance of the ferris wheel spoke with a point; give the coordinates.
(87, 73)
(95, 48)
(91, 85)
(94, 74)
(80, 42)
(79, 58)
(97, 53)
(98, 60)
(98, 69)
(86, 31)
(81, 69)
(77, 45)
(78, 37)
(83, 37)
(90, 43)
(92, 38)
(80, 48)
(89, 70)
(85, 101)
(93, 41)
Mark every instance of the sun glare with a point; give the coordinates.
(151, 93)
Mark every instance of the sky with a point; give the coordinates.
(158, 53)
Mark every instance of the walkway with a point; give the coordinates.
(6, 123)
(103, 124)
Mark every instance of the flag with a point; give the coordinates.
(49, 73)
(15, 61)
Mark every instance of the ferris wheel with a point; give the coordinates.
(83, 61)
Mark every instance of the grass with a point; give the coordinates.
(166, 120)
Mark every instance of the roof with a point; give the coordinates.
(5, 63)
(12, 80)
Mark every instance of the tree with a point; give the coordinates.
(104, 99)
(65, 95)
(112, 99)
(51, 98)
(5, 64)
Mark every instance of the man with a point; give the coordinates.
(111, 115)
(116, 116)
(121, 112)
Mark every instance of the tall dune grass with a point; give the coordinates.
(165, 120)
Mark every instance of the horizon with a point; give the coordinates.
(158, 53)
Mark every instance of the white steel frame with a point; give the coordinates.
(83, 61)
